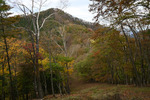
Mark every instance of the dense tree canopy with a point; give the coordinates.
(42, 52)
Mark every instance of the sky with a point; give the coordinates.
(77, 8)
(80, 9)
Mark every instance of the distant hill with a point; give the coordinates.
(78, 31)
(61, 17)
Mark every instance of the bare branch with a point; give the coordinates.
(58, 45)
(46, 19)
(25, 29)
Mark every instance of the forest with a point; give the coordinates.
(51, 55)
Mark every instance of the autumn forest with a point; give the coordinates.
(52, 55)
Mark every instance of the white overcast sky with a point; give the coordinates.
(77, 8)
(80, 9)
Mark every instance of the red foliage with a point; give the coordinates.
(39, 55)
(28, 47)
(96, 53)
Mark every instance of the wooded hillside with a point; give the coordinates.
(46, 53)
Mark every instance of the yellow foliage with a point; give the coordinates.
(45, 62)
(70, 67)
(14, 50)
(92, 41)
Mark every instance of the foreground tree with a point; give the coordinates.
(7, 31)
(33, 25)
(128, 17)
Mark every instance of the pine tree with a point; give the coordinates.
(7, 31)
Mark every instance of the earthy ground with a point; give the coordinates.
(97, 91)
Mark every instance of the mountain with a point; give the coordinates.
(62, 17)
(59, 16)
(77, 31)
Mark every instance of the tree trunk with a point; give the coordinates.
(23, 97)
(112, 74)
(67, 82)
(12, 95)
(27, 97)
(34, 64)
(40, 90)
(60, 83)
(51, 70)
(148, 68)
(59, 86)
(141, 55)
(3, 82)
(131, 57)
(15, 82)
(45, 84)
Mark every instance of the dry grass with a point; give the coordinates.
(95, 91)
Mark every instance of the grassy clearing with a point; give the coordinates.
(106, 92)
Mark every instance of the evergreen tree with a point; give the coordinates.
(7, 31)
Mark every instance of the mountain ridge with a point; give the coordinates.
(68, 17)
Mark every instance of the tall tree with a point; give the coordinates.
(128, 17)
(7, 31)
(32, 16)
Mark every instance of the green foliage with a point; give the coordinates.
(84, 68)
(4, 6)
(100, 56)
(104, 64)
(57, 67)
(64, 59)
